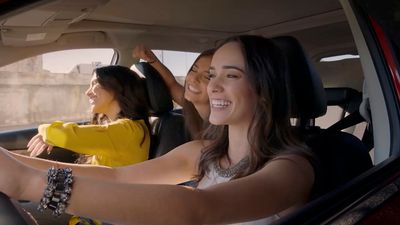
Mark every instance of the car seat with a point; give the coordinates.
(340, 156)
(348, 99)
(355, 105)
(168, 129)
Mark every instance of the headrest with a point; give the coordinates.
(308, 94)
(159, 96)
(347, 98)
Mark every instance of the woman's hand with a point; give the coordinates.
(36, 146)
(145, 53)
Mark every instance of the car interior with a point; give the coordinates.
(339, 105)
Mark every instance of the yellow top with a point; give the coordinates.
(118, 143)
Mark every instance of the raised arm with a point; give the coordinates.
(281, 184)
(176, 89)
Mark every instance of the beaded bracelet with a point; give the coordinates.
(58, 190)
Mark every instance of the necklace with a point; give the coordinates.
(233, 170)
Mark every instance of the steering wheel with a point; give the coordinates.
(10, 214)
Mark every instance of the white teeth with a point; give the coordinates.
(220, 103)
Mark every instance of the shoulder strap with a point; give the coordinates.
(348, 121)
(351, 120)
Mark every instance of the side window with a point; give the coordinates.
(333, 114)
(48, 87)
(178, 63)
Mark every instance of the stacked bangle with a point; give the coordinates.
(58, 190)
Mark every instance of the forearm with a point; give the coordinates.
(135, 204)
(105, 173)
(32, 185)
(79, 138)
(143, 173)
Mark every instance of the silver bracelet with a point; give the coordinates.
(57, 191)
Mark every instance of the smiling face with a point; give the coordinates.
(100, 100)
(232, 98)
(197, 81)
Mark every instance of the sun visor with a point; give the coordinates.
(47, 23)
(30, 36)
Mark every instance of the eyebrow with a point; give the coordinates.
(229, 67)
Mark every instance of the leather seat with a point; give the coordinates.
(340, 156)
(168, 127)
(347, 98)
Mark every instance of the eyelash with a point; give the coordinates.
(210, 76)
(232, 76)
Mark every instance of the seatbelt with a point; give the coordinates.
(348, 121)
(352, 119)
(368, 138)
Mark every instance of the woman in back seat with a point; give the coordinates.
(193, 96)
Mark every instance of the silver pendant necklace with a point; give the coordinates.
(233, 170)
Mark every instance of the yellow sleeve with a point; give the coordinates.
(102, 140)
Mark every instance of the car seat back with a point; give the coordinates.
(340, 156)
(168, 129)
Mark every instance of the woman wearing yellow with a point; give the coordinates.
(119, 131)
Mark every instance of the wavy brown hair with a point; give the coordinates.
(193, 121)
(270, 132)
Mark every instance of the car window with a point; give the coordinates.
(333, 114)
(178, 62)
(48, 87)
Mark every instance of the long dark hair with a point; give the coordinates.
(193, 121)
(129, 90)
(270, 132)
